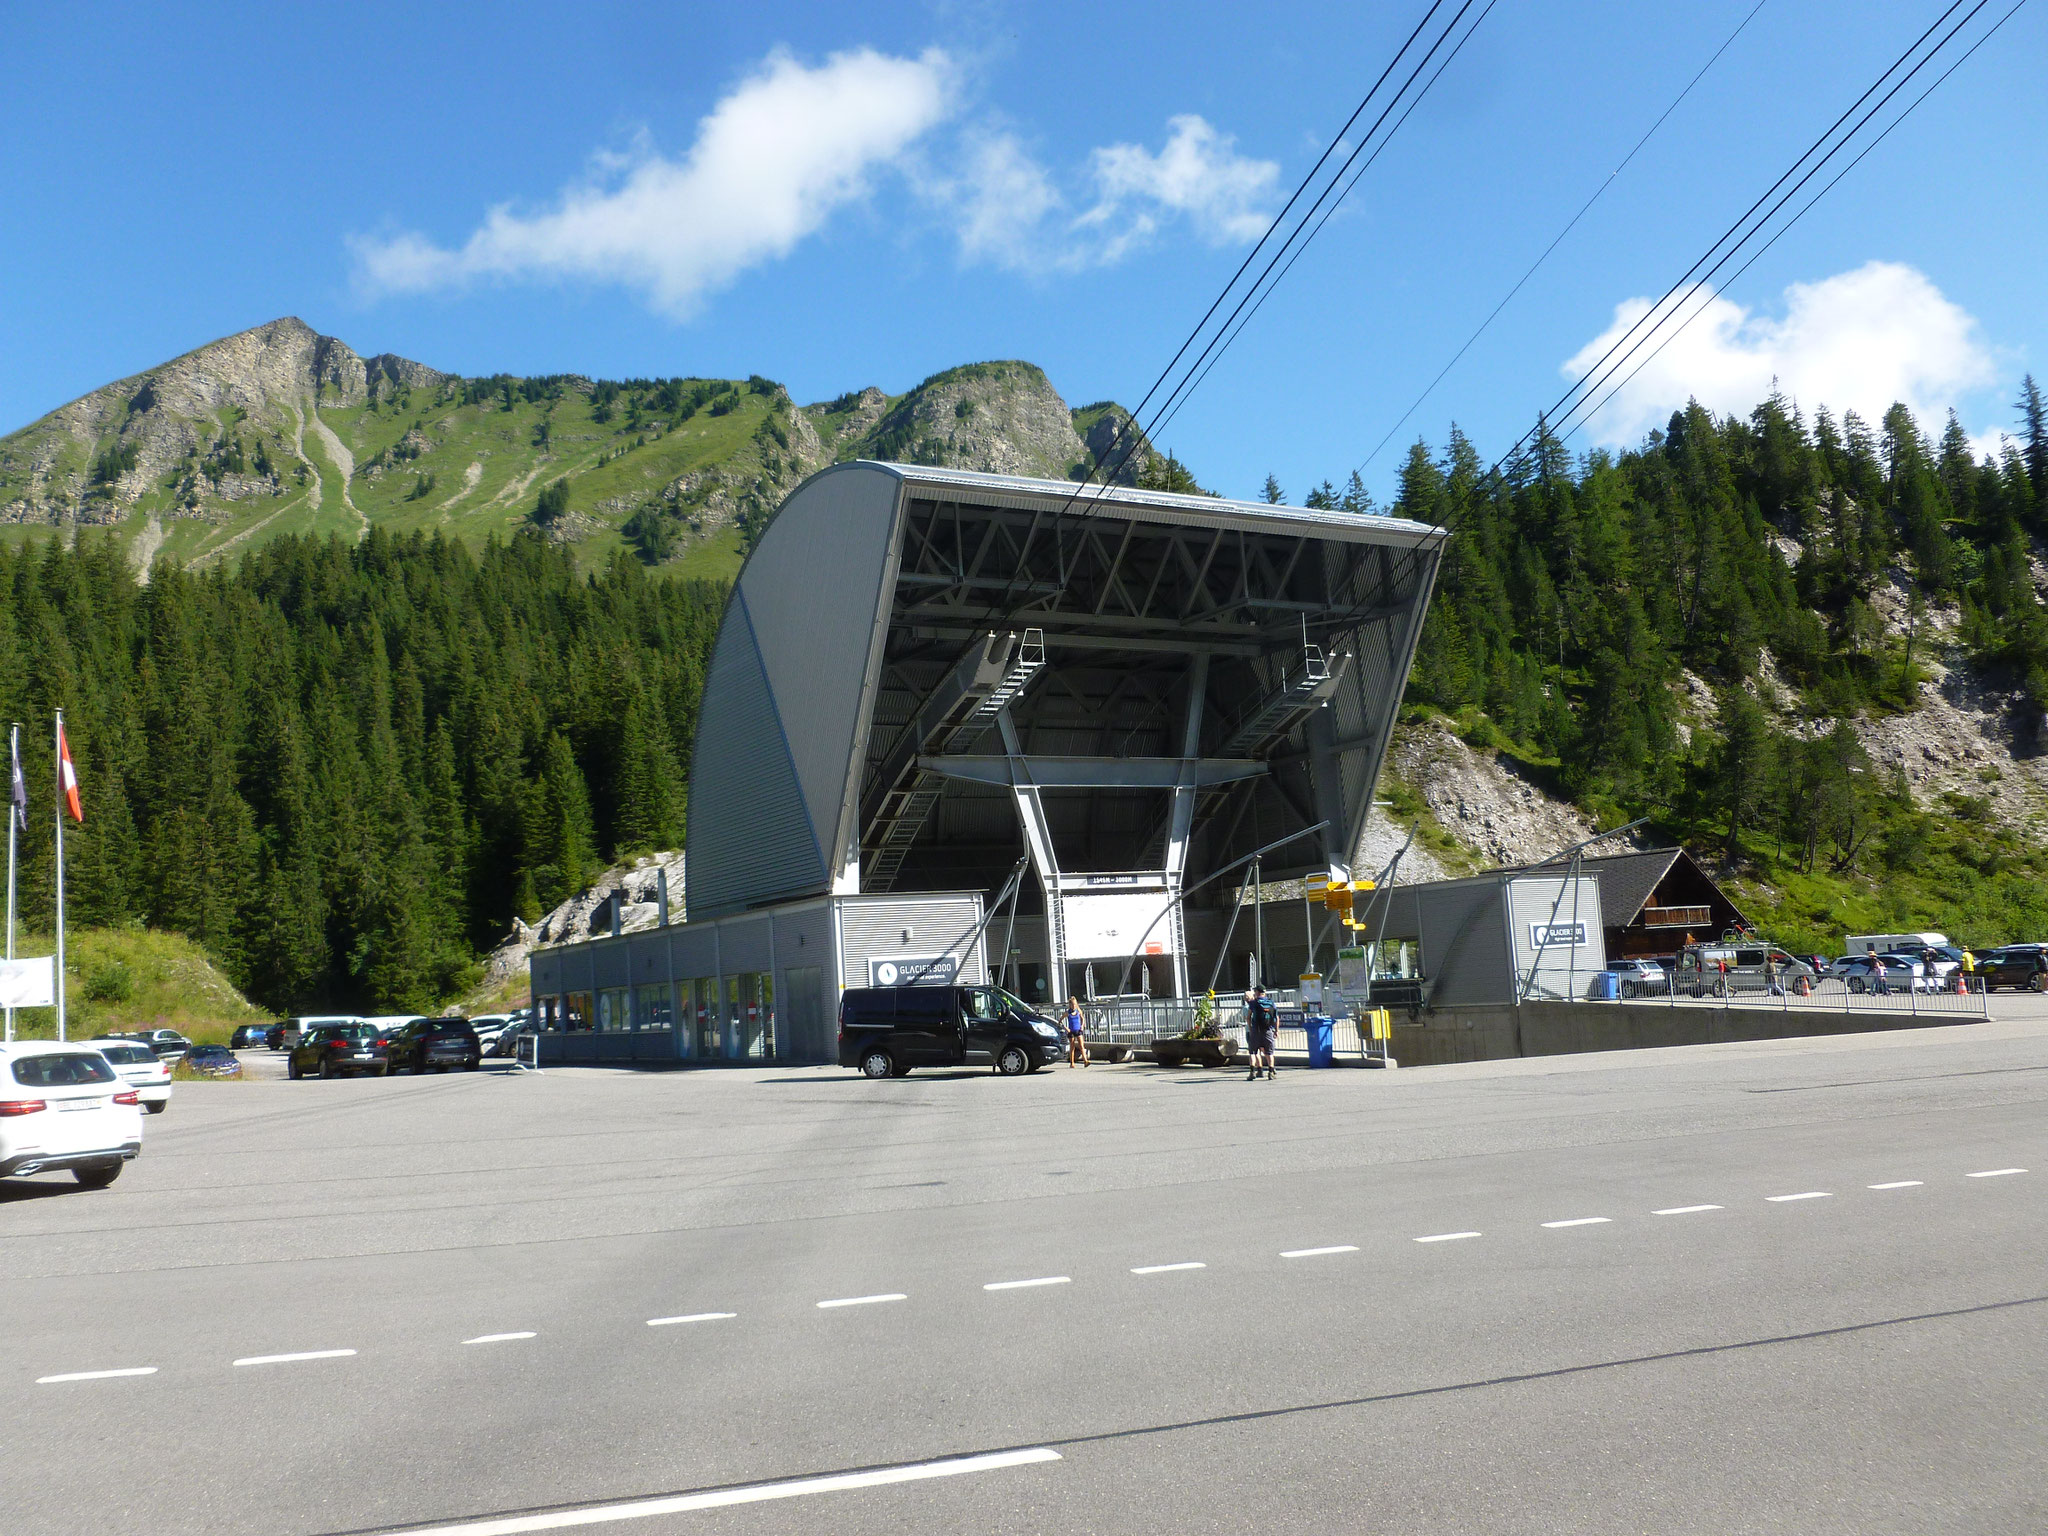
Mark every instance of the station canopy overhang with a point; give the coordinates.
(922, 673)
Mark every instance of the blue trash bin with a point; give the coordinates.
(1322, 1041)
(1606, 987)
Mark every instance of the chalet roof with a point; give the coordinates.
(1628, 880)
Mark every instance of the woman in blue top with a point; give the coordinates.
(1077, 1040)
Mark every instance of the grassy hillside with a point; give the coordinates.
(135, 978)
(278, 430)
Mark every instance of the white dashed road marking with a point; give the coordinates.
(1446, 1237)
(308, 1354)
(1993, 1173)
(1580, 1221)
(132, 1370)
(643, 1509)
(498, 1338)
(1811, 1194)
(1025, 1285)
(863, 1301)
(1900, 1184)
(1686, 1210)
(700, 1317)
(1164, 1269)
(1316, 1253)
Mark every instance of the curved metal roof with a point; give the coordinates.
(869, 680)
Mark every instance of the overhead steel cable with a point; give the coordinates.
(1736, 276)
(1492, 474)
(1356, 176)
(1584, 208)
(1190, 378)
(1658, 308)
(1279, 219)
(1701, 284)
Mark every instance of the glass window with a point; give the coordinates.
(735, 1040)
(653, 1008)
(614, 1009)
(61, 1071)
(981, 1004)
(757, 1015)
(576, 1011)
(704, 1003)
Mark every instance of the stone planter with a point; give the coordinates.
(1176, 1052)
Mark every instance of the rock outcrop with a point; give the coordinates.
(633, 888)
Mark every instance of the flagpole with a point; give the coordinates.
(13, 821)
(59, 745)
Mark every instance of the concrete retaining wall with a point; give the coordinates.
(1561, 1029)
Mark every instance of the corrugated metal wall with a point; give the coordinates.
(1559, 970)
(1464, 942)
(873, 927)
(751, 838)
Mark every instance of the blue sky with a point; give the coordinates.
(837, 195)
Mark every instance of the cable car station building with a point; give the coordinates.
(928, 681)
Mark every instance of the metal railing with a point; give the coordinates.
(1829, 994)
(1138, 1022)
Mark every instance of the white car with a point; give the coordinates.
(62, 1106)
(141, 1069)
(1641, 978)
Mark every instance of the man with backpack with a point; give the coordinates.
(1261, 1030)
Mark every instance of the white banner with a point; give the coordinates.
(1105, 927)
(30, 983)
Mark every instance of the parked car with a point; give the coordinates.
(1902, 973)
(1719, 969)
(336, 1050)
(63, 1106)
(1641, 978)
(212, 1061)
(887, 1031)
(506, 1045)
(294, 1030)
(249, 1036)
(2017, 965)
(141, 1069)
(488, 1027)
(167, 1043)
(434, 1045)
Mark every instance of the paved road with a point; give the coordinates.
(559, 1293)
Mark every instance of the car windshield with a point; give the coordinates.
(128, 1055)
(61, 1071)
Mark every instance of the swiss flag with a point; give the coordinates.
(67, 778)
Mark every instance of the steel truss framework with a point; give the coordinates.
(1203, 690)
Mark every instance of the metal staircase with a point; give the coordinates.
(988, 679)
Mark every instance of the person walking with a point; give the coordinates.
(1077, 1034)
(1261, 1029)
(1771, 987)
(1966, 973)
(1879, 982)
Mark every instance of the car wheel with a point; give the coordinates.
(97, 1178)
(326, 1071)
(291, 1069)
(877, 1064)
(2037, 982)
(1013, 1061)
(158, 1106)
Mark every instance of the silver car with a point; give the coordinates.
(1641, 978)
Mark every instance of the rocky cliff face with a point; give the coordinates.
(90, 461)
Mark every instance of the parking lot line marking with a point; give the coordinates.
(694, 1317)
(1810, 1194)
(758, 1493)
(130, 1370)
(1993, 1173)
(308, 1354)
(1446, 1237)
(1316, 1253)
(1164, 1269)
(498, 1338)
(1581, 1221)
(862, 1301)
(1025, 1285)
(1900, 1184)
(1686, 1210)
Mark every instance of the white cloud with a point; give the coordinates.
(770, 164)
(1199, 173)
(1859, 341)
(1008, 210)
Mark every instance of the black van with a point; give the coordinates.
(885, 1031)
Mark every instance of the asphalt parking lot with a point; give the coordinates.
(1794, 1285)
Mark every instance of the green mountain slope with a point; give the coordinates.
(281, 430)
